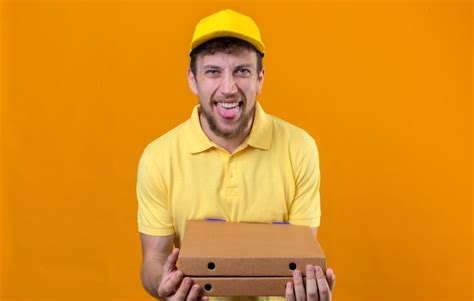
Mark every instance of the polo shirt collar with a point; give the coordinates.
(198, 140)
(260, 135)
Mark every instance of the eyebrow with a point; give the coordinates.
(218, 67)
(244, 66)
(211, 67)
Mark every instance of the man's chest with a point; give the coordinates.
(245, 187)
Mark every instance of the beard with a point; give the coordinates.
(242, 123)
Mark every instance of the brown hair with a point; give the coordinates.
(226, 44)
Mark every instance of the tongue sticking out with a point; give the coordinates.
(228, 113)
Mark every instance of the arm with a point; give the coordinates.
(155, 251)
(306, 210)
(160, 277)
(159, 274)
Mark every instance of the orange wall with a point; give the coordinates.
(385, 88)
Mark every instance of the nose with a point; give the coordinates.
(228, 84)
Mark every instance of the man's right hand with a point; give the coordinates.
(172, 285)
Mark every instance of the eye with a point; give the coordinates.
(212, 72)
(243, 71)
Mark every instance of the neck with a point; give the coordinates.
(229, 144)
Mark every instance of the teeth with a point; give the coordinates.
(228, 105)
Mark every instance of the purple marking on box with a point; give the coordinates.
(215, 220)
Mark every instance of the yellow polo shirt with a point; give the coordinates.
(273, 176)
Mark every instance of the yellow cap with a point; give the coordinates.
(227, 23)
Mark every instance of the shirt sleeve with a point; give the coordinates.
(154, 216)
(305, 209)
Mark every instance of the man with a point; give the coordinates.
(230, 160)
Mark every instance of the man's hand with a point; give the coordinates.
(173, 286)
(318, 287)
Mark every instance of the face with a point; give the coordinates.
(227, 85)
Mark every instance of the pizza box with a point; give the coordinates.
(246, 259)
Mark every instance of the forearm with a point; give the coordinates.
(151, 276)
(156, 250)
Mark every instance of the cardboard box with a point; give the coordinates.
(242, 286)
(246, 259)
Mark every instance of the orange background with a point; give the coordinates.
(385, 88)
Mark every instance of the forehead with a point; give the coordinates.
(223, 58)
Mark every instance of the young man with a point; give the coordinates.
(230, 160)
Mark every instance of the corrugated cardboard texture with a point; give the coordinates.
(247, 249)
(243, 286)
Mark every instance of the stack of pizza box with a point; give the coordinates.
(246, 259)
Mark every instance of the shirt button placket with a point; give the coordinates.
(233, 175)
(232, 193)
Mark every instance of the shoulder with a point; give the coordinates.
(298, 144)
(167, 144)
(290, 134)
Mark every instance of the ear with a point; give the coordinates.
(192, 82)
(260, 80)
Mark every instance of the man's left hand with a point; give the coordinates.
(318, 285)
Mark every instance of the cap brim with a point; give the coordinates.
(219, 34)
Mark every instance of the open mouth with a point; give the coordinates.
(229, 110)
